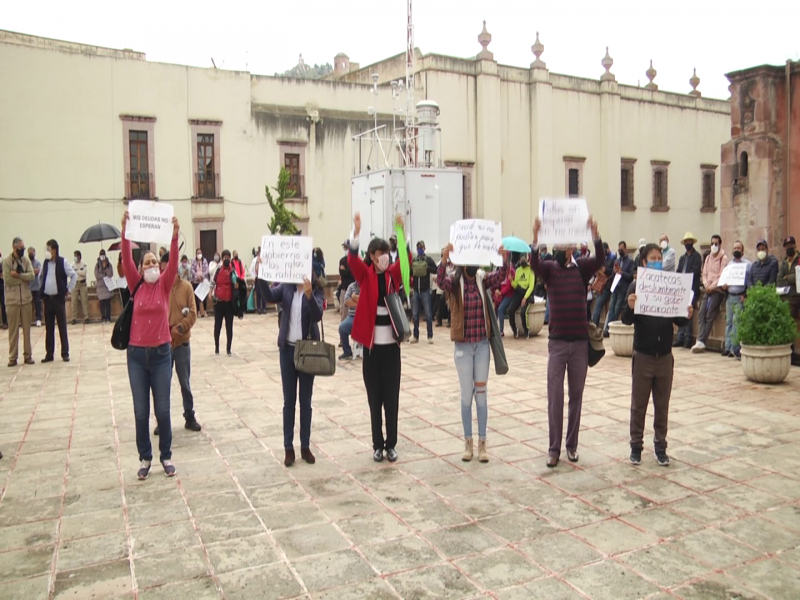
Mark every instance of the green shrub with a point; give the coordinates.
(765, 319)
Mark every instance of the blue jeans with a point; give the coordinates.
(150, 369)
(289, 378)
(599, 303)
(425, 299)
(472, 364)
(501, 311)
(182, 362)
(547, 310)
(730, 323)
(345, 327)
(617, 303)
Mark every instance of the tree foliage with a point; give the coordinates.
(765, 319)
(283, 219)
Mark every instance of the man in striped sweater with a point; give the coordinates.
(566, 278)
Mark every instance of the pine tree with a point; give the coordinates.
(283, 219)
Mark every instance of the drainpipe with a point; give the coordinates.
(788, 143)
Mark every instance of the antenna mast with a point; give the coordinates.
(411, 150)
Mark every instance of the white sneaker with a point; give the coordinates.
(698, 347)
(38, 323)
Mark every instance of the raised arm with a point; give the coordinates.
(132, 275)
(357, 266)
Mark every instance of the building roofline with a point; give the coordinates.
(35, 41)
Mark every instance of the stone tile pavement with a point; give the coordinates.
(723, 521)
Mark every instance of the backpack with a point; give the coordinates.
(419, 267)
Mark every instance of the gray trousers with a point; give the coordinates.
(182, 362)
(571, 358)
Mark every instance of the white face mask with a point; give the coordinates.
(664, 245)
(382, 263)
(762, 255)
(151, 275)
(714, 249)
(199, 256)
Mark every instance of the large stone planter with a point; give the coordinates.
(535, 318)
(621, 337)
(766, 364)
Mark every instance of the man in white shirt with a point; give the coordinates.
(667, 254)
(57, 279)
(81, 297)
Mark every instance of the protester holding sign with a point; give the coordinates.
(102, 270)
(149, 354)
(735, 297)
(652, 363)
(470, 328)
(566, 278)
(713, 295)
(372, 328)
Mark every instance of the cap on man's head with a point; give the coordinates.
(762, 243)
(789, 239)
(421, 244)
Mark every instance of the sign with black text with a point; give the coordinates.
(476, 242)
(149, 221)
(563, 221)
(285, 259)
(663, 293)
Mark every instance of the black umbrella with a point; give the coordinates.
(98, 233)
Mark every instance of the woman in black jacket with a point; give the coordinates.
(652, 367)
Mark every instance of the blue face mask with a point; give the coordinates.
(656, 264)
(420, 251)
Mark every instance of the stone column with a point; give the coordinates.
(488, 166)
(606, 209)
(541, 130)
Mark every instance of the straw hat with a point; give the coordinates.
(689, 237)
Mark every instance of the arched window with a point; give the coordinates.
(743, 164)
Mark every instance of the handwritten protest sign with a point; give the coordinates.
(663, 293)
(564, 221)
(149, 221)
(476, 242)
(111, 283)
(285, 259)
(733, 274)
(202, 289)
(797, 277)
(122, 283)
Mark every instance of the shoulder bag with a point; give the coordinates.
(495, 340)
(121, 334)
(397, 314)
(600, 280)
(315, 357)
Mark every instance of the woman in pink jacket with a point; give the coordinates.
(149, 352)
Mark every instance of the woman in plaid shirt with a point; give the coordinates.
(469, 329)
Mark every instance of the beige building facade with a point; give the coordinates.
(85, 128)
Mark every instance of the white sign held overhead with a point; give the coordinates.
(733, 274)
(285, 259)
(202, 289)
(476, 242)
(663, 293)
(149, 221)
(564, 221)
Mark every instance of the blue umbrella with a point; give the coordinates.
(514, 244)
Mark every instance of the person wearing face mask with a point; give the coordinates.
(212, 266)
(713, 296)
(57, 279)
(36, 288)
(224, 286)
(17, 275)
(638, 261)
(301, 312)
(184, 272)
(735, 298)
(690, 262)
(238, 265)
(102, 270)
(523, 284)
(765, 269)
(470, 329)
(200, 273)
(787, 277)
(372, 327)
(652, 366)
(626, 269)
(667, 252)
(80, 295)
(568, 346)
(149, 354)
(422, 267)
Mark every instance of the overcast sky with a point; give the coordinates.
(267, 36)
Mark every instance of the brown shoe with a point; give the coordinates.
(468, 445)
(552, 461)
(12, 363)
(572, 455)
(483, 456)
(30, 361)
(305, 454)
(288, 460)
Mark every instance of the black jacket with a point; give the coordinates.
(345, 276)
(651, 335)
(694, 266)
(766, 272)
(423, 283)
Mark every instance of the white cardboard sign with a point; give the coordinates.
(733, 274)
(149, 221)
(563, 221)
(111, 283)
(615, 283)
(202, 289)
(663, 293)
(285, 259)
(476, 242)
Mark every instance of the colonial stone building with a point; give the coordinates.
(85, 128)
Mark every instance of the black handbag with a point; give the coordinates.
(121, 334)
(315, 357)
(397, 314)
(495, 340)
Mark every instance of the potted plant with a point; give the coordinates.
(765, 331)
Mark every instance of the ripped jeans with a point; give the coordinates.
(472, 364)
